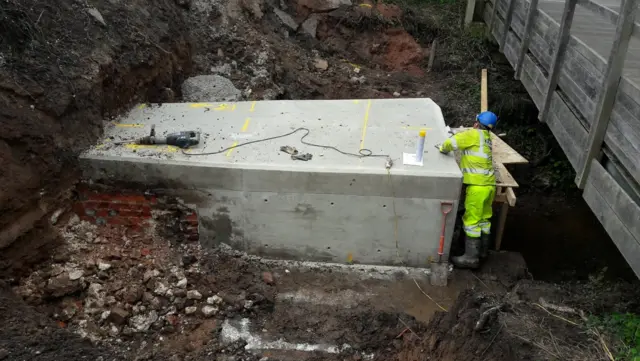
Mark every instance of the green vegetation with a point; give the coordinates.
(624, 329)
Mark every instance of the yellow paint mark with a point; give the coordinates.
(246, 124)
(200, 105)
(349, 257)
(366, 5)
(130, 125)
(232, 148)
(253, 106)
(160, 148)
(100, 146)
(142, 106)
(356, 101)
(365, 124)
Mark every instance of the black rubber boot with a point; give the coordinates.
(470, 257)
(484, 245)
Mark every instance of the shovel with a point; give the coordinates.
(440, 270)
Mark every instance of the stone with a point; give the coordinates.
(161, 289)
(62, 285)
(248, 304)
(182, 283)
(310, 26)
(103, 266)
(321, 64)
(179, 302)
(286, 19)
(267, 277)
(214, 300)
(254, 7)
(209, 311)
(75, 274)
(323, 5)
(141, 323)
(357, 80)
(396, 94)
(209, 88)
(96, 15)
(194, 295)
(118, 316)
(132, 294)
(190, 310)
(180, 292)
(150, 274)
(95, 290)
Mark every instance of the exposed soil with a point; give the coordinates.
(101, 293)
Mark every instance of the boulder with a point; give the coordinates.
(209, 88)
(323, 5)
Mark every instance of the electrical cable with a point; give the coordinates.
(362, 153)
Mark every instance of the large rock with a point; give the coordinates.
(323, 5)
(286, 19)
(209, 88)
(62, 285)
(310, 26)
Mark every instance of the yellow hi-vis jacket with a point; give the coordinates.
(476, 162)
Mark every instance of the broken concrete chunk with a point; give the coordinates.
(194, 295)
(214, 300)
(310, 26)
(209, 88)
(150, 274)
(190, 310)
(161, 289)
(209, 311)
(286, 19)
(103, 266)
(133, 294)
(118, 316)
(95, 289)
(142, 323)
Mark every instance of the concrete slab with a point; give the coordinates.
(335, 207)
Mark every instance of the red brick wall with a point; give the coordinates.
(137, 211)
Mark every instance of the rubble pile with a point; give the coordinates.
(103, 283)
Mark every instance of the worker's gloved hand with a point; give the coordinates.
(439, 148)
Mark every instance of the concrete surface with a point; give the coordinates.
(334, 208)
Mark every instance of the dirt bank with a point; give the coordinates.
(64, 68)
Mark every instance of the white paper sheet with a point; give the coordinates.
(410, 159)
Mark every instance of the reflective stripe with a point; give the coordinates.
(480, 153)
(478, 171)
(454, 143)
(472, 233)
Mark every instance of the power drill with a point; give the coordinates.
(184, 139)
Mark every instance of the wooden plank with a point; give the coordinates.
(468, 16)
(558, 54)
(526, 37)
(614, 208)
(503, 153)
(623, 151)
(507, 24)
(502, 220)
(610, 83)
(484, 98)
(503, 177)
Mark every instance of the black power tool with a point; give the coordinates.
(184, 139)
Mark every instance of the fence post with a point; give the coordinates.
(608, 89)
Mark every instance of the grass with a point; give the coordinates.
(624, 330)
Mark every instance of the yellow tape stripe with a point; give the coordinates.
(253, 106)
(365, 124)
(232, 148)
(159, 148)
(243, 129)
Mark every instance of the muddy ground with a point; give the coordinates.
(75, 291)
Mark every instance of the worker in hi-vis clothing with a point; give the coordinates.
(476, 164)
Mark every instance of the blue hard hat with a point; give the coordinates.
(488, 119)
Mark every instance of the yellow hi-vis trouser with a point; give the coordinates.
(478, 210)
